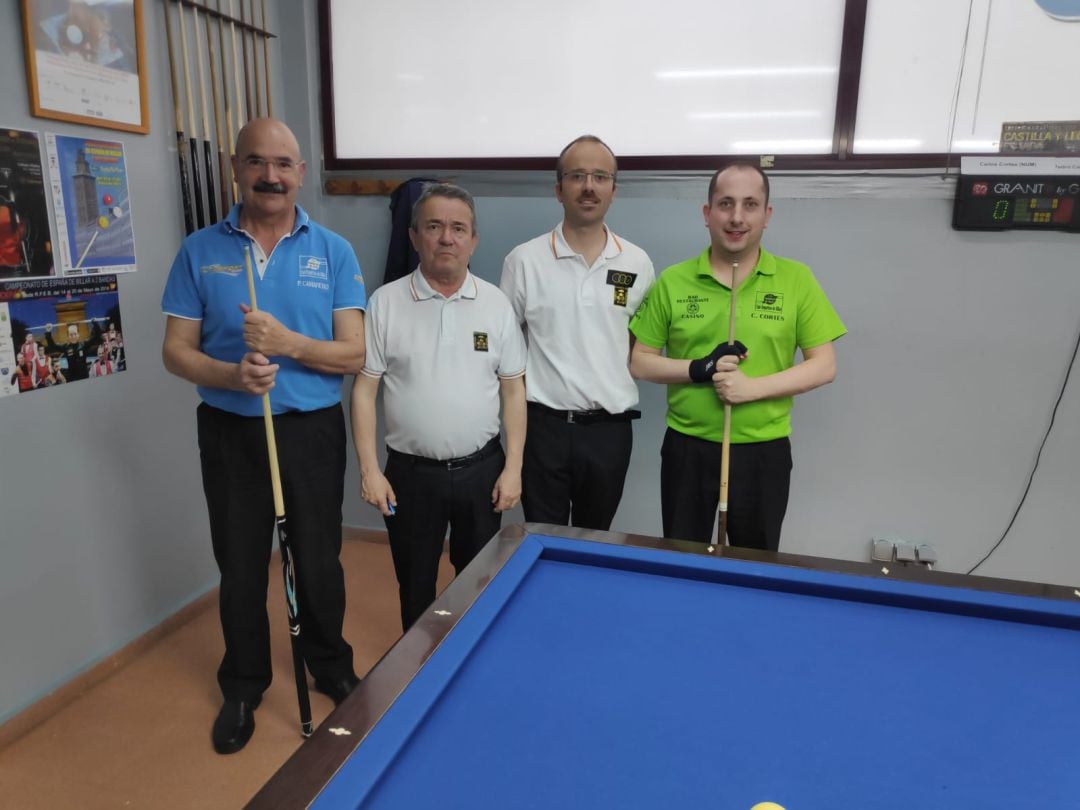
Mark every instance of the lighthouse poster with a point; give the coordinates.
(92, 205)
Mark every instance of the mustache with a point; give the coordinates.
(264, 187)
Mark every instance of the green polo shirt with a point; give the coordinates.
(779, 307)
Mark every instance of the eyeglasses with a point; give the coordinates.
(578, 178)
(282, 165)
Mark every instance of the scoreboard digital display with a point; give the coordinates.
(1036, 193)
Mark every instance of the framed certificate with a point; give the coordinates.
(85, 62)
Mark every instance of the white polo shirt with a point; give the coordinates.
(440, 360)
(576, 319)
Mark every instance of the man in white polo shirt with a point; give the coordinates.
(574, 291)
(447, 347)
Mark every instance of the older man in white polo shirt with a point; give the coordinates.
(574, 290)
(447, 347)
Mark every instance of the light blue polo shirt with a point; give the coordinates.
(311, 273)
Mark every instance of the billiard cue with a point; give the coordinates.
(208, 152)
(266, 62)
(247, 74)
(255, 63)
(287, 567)
(193, 143)
(181, 138)
(725, 446)
(219, 134)
(230, 134)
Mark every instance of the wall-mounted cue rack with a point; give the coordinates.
(219, 70)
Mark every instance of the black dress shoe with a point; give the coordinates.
(234, 725)
(337, 690)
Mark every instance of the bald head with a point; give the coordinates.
(272, 130)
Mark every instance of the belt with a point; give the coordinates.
(459, 463)
(586, 417)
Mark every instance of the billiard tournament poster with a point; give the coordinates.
(92, 205)
(25, 240)
(59, 331)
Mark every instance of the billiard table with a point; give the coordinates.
(574, 669)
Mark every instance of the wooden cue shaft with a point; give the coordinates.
(255, 62)
(181, 138)
(218, 121)
(236, 72)
(201, 219)
(211, 195)
(268, 418)
(230, 133)
(247, 74)
(266, 62)
(725, 447)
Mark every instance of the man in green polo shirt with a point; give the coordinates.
(779, 307)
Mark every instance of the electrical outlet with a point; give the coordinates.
(882, 549)
(905, 552)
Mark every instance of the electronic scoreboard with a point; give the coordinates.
(1038, 193)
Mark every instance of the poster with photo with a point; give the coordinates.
(25, 241)
(58, 331)
(90, 200)
(85, 62)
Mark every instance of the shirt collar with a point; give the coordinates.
(422, 291)
(766, 264)
(561, 250)
(232, 221)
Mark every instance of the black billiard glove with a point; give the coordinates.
(702, 369)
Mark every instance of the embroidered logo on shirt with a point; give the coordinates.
(480, 341)
(314, 267)
(768, 306)
(226, 269)
(620, 278)
(314, 272)
(692, 306)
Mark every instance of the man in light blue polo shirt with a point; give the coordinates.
(307, 334)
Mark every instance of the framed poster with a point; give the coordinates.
(86, 62)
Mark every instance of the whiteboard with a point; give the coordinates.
(943, 75)
(424, 79)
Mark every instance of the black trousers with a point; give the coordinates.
(236, 479)
(432, 495)
(573, 473)
(759, 478)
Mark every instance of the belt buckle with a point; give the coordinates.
(455, 464)
(570, 417)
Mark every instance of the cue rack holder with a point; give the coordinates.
(219, 71)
